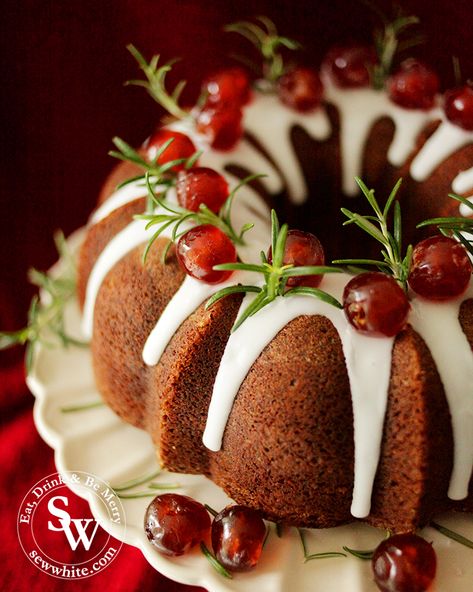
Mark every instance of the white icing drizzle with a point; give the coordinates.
(463, 182)
(466, 211)
(368, 365)
(122, 243)
(438, 325)
(119, 198)
(445, 141)
(190, 295)
(359, 109)
(271, 125)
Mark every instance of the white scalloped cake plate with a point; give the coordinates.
(98, 442)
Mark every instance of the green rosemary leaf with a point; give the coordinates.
(316, 293)
(365, 555)
(464, 200)
(382, 264)
(311, 556)
(159, 486)
(210, 510)
(451, 223)
(278, 253)
(164, 256)
(155, 236)
(126, 152)
(397, 228)
(274, 230)
(11, 338)
(245, 228)
(369, 194)
(85, 407)
(452, 535)
(365, 224)
(137, 481)
(239, 289)
(392, 197)
(137, 495)
(257, 304)
(130, 181)
(310, 270)
(214, 562)
(324, 555)
(468, 244)
(29, 353)
(240, 267)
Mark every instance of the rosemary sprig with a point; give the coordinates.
(85, 407)
(275, 276)
(388, 44)
(163, 173)
(155, 83)
(455, 226)
(365, 555)
(393, 262)
(214, 562)
(265, 38)
(148, 479)
(310, 556)
(137, 481)
(174, 216)
(452, 535)
(47, 313)
(210, 510)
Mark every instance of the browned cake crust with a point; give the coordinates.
(288, 444)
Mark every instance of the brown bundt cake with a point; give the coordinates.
(295, 412)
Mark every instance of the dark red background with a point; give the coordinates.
(63, 65)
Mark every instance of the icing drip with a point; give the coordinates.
(463, 182)
(359, 109)
(368, 365)
(121, 244)
(125, 241)
(192, 292)
(119, 198)
(444, 142)
(440, 328)
(273, 133)
(243, 154)
(466, 211)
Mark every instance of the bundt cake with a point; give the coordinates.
(295, 412)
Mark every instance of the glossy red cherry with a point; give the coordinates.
(201, 185)
(302, 248)
(440, 268)
(459, 107)
(202, 247)
(350, 66)
(222, 126)
(238, 535)
(414, 86)
(301, 89)
(375, 304)
(228, 88)
(404, 563)
(175, 523)
(180, 147)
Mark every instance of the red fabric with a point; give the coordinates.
(63, 65)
